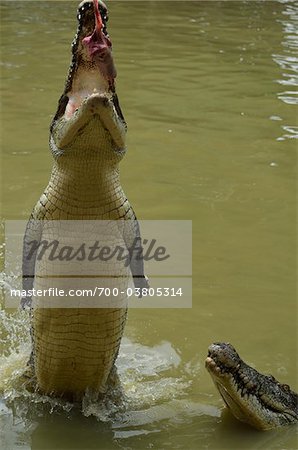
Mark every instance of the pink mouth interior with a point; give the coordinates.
(99, 47)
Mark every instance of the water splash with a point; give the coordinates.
(288, 60)
(153, 381)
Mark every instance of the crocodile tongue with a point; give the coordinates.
(99, 48)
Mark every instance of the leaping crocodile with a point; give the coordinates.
(75, 350)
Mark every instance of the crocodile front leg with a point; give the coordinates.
(65, 129)
(30, 245)
(132, 238)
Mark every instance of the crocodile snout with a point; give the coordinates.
(223, 354)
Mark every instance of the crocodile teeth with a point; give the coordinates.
(244, 378)
(210, 362)
(265, 399)
(250, 385)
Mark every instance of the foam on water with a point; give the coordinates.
(148, 392)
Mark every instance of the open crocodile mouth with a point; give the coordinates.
(93, 19)
(92, 70)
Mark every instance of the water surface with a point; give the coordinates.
(209, 91)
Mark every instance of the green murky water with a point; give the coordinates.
(209, 92)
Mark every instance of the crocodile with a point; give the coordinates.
(75, 348)
(257, 399)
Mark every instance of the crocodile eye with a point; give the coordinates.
(286, 387)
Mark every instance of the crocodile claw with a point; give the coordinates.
(141, 282)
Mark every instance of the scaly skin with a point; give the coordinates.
(74, 349)
(259, 400)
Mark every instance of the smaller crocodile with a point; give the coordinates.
(257, 399)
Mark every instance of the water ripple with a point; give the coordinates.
(289, 61)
